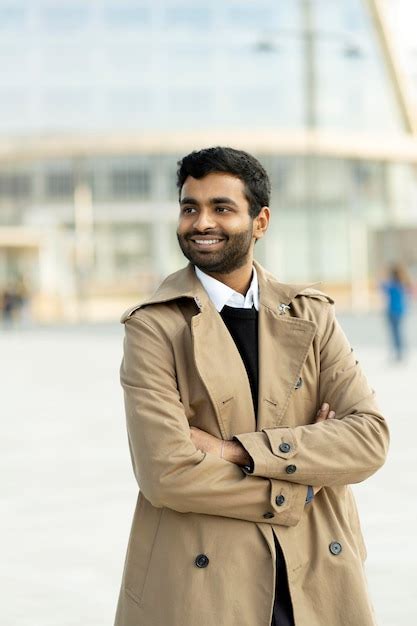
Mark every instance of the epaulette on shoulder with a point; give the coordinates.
(129, 312)
(309, 292)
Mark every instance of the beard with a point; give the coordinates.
(232, 255)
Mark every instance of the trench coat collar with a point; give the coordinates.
(181, 284)
(185, 284)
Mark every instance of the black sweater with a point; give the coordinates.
(242, 324)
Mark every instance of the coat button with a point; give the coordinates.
(299, 383)
(290, 469)
(284, 447)
(268, 515)
(202, 560)
(280, 500)
(335, 548)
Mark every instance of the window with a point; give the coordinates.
(59, 184)
(128, 16)
(254, 17)
(128, 103)
(130, 183)
(11, 17)
(121, 61)
(180, 59)
(188, 16)
(15, 185)
(65, 18)
(69, 60)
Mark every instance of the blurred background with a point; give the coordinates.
(98, 101)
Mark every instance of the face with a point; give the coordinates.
(215, 231)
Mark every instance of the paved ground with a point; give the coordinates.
(68, 491)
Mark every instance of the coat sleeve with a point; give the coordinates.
(339, 451)
(169, 469)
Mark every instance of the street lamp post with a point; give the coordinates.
(310, 121)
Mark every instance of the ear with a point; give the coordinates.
(261, 222)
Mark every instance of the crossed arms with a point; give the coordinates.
(172, 472)
(233, 451)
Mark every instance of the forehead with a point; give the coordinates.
(214, 185)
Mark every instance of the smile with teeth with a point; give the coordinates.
(206, 242)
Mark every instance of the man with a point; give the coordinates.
(248, 417)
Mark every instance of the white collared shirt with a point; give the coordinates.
(221, 295)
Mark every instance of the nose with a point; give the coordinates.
(203, 221)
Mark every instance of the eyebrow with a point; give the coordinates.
(220, 200)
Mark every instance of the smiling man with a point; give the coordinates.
(248, 418)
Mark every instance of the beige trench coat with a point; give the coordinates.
(181, 368)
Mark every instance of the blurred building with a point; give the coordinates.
(99, 99)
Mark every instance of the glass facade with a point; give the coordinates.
(152, 66)
(351, 70)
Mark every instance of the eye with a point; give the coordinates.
(188, 209)
(222, 209)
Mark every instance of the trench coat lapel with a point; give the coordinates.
(223, 373)
(216, 356)
(284, 342)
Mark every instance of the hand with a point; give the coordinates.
(231, 451)
(324, 413)
(205, 442)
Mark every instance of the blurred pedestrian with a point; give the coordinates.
(14, 302)
(8, 305)
(22, 301)
(396, 290)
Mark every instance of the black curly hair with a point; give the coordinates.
(230, 161)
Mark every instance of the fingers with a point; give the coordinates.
(325, 413)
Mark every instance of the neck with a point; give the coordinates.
(239, 280)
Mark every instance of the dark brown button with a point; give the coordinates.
(284, 447)
(290, 469)
(202, 560)
(280, 500)
(268, 515)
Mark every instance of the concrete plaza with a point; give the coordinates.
(68, 490)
